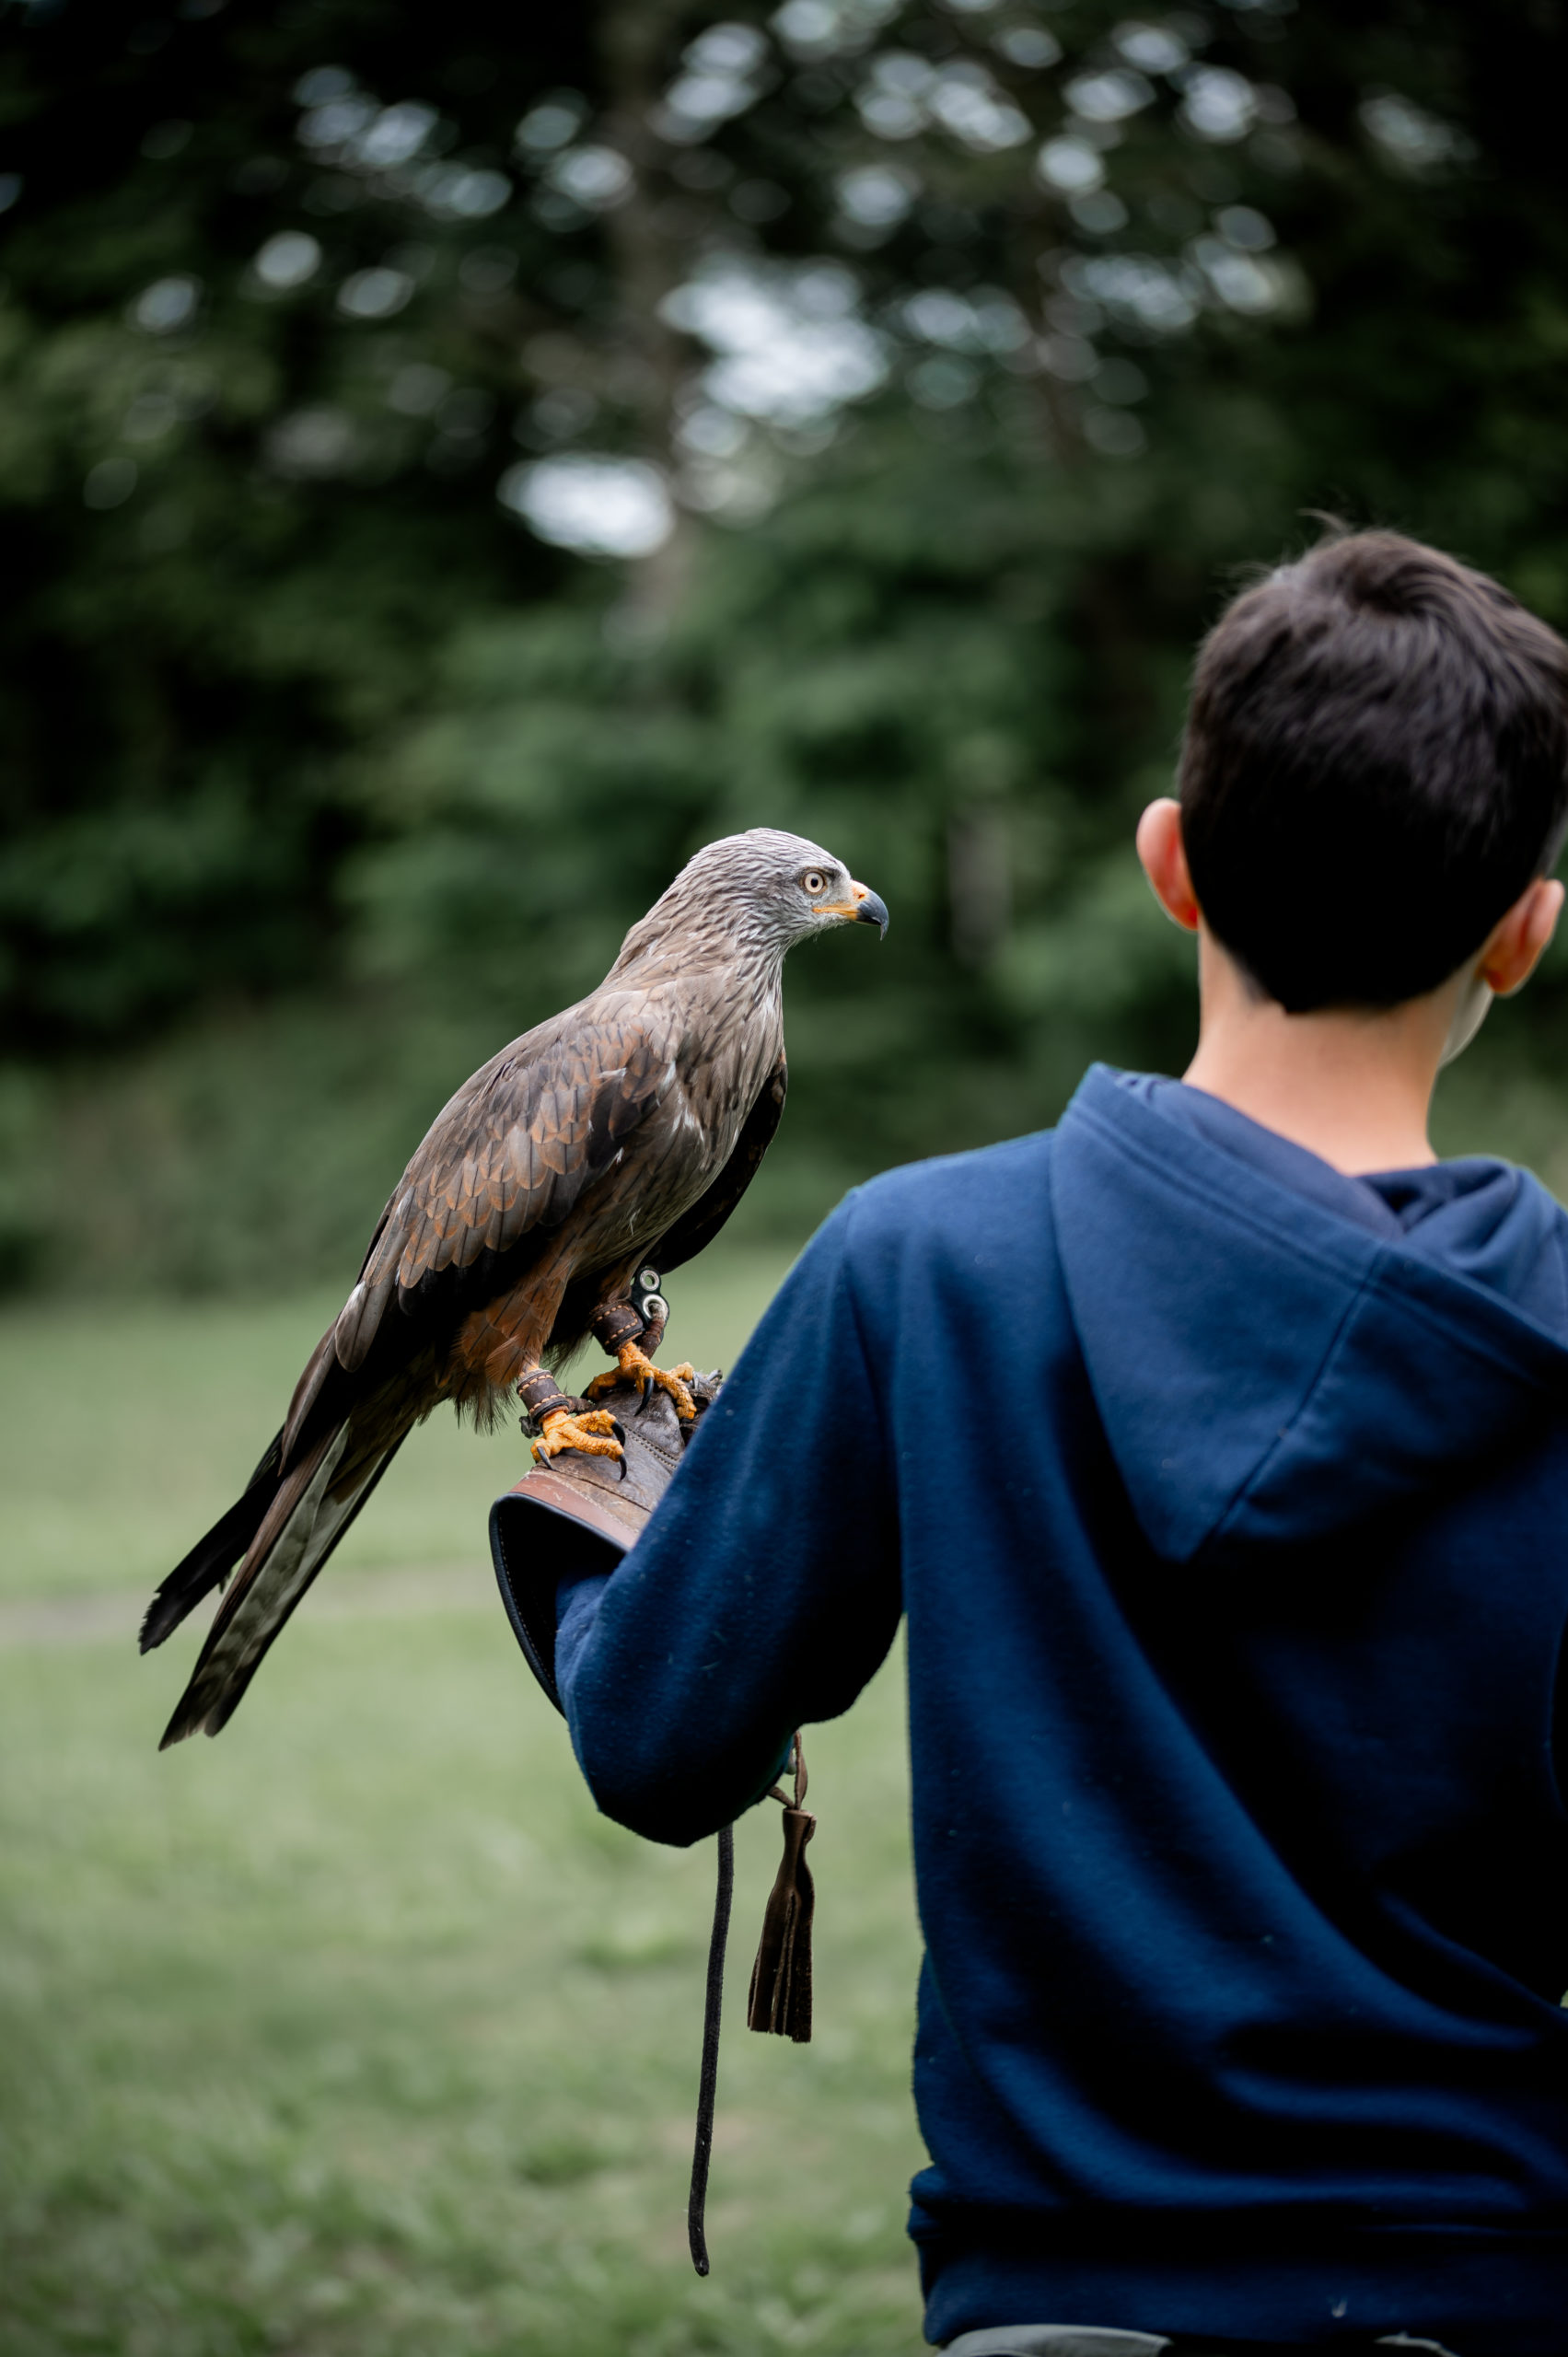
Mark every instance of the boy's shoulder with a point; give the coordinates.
(987, 1192)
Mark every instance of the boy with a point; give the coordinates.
(1237, 1586)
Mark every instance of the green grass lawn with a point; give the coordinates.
(358, 2033)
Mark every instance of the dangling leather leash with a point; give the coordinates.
(707, 2085)
(780, 1997)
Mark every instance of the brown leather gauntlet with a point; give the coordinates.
(580, 1513)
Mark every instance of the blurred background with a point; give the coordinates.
(453, 463)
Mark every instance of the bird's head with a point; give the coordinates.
(773, 889)
(750, 896)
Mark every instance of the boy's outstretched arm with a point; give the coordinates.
(766, 1592)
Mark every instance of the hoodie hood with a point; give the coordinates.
(1277, 1351)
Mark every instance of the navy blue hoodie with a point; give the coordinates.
(1226, 1499)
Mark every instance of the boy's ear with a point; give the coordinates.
(1164, 856)
(1513, 949)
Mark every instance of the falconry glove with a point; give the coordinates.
(579, 1515)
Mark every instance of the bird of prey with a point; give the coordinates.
(622, 1131)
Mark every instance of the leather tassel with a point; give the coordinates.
(780, 2000)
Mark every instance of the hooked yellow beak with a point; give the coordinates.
(862, 907)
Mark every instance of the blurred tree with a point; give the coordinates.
(450, 482)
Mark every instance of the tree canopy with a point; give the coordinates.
(446, 482)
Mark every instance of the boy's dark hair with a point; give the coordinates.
(1376, 765)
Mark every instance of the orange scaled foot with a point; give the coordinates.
(633, 1365)
(593, 1434)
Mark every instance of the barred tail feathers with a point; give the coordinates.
(216, 1554)
(301, 1525)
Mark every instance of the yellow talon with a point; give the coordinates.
(633, 1365)
(593, 1434)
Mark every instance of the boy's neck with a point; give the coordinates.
(1353, 1086)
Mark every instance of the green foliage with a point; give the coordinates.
(321, 774)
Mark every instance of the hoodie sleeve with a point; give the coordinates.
(765, 1591)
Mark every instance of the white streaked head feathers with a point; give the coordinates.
(750, 896)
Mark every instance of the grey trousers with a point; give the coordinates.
(1094, 2341)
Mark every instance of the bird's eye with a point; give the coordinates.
(814, 883)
